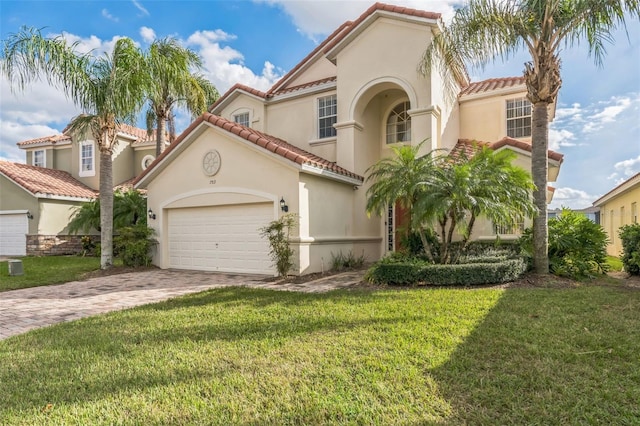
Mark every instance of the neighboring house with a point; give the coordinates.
(304, 146)
(592, 213)
(38, 199)
(619, 207)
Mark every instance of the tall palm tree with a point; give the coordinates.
(108, 89)
(484, 30)
(173, 84)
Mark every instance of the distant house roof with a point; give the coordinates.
(631, 183)
(139, 135)
(43, 182)
(268, 142)
(469, 147)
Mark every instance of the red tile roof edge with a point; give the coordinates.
(53, 139)
(491, 84)
(303, 86)
(41, 180)
(270, 143)
(506, 141)
(235, 87)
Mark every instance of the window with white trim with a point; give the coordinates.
(327, 116)
(242, 119)
(87, 159)
(391, 231)
(39, 158)
(634, 212)
(518, 118)
(146, 161)
(399, 124)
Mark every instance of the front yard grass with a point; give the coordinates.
(47, 270)
(416, 356)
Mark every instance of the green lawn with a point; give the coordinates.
(419, 356)
(47, 270)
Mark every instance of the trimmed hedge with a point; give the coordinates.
(411, 272)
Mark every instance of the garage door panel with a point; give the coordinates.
(220, 238)
(13, 234)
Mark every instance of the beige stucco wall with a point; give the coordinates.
(62, 158)
(618, 212)
(318, 70)
(54, 216)
(138, 156)
(14, 197)
(484, 118)
(244, 103)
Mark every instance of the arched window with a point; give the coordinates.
(399, 124)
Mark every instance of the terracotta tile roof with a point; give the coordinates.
(127, 185)
(53, 139)
(137, 133)
(302, 86)
(469, 147)
(40, 180)
(234, 88)
(270, 143)
(492, 84)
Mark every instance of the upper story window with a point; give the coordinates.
(87, 159)
(327, 116)
(399, 124)
(242, 119)
(518, 118)
(39, 158)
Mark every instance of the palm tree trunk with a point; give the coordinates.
(539, 171)
(106, 210)
(160, 124)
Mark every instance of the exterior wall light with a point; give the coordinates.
(152, 215)
(283, 205)
(29, 215)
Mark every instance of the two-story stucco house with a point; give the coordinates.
(61, 171)
(304, 147)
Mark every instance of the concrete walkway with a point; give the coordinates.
(30, 308)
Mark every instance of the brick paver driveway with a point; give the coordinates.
(26, 309)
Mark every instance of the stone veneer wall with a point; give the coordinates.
(54, 245)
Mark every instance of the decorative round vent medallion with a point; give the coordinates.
(211, 163)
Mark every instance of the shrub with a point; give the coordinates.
(133, 245)
(342, 261)
(630, 236)
(577, 246)
(278, 232)
(414, 271)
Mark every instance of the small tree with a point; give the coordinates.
(630, 236)
(278, 233)
(577, 246)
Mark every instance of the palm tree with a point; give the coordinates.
(397, 179)
(173, 84)
(108, 89)
(484, 30)
(463, 189)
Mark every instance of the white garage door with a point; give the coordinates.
(220, 238)
(13, 234)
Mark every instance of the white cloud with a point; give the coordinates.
(573, 112)
(572, 198)
(561, 138)
(140, 7)
(147, 34)
(608, 113)
(316, 19)
(224, 66)
(628, 167)
(106, 14)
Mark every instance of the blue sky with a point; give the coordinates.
(597, 125)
